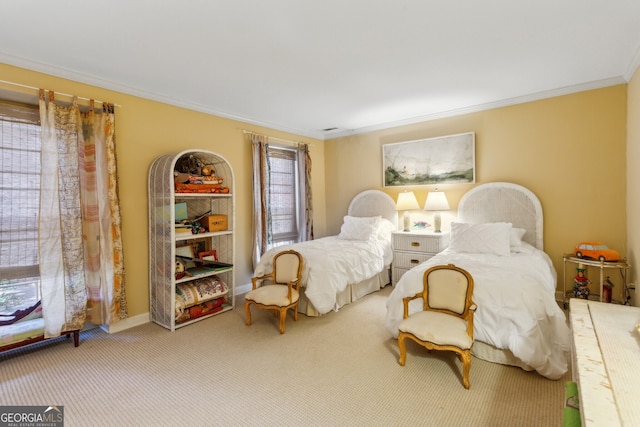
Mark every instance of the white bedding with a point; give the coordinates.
(516, 304)
(331, 264)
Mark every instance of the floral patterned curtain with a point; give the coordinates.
(80, 244)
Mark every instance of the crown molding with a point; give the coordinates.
(316, 134)
(486, 106)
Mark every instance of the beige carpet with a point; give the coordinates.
(339, 369)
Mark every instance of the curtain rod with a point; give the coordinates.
(57, 93)
(286, 141)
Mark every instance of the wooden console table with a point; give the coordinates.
(606, 362)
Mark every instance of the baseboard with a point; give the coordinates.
(243, 289)
(127, 323)
(141, 319)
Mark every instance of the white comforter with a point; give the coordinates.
(331, 264)
(516, 305)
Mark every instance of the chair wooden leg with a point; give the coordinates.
(283, 317)
(403, 350)
(295, 313)
(466, 361)
(247, 311)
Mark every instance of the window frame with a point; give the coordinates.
(277, 151)
(19, 281)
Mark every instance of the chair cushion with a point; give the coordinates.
(272, 295)
(287, 268)
(448, 290)
(437, 328)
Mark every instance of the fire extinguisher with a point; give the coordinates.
(606, 290)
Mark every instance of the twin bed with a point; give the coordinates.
(341, 269)
(498, 238)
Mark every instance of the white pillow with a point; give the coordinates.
(359, 228)
(384, 230)
(523, 248)
(516, 236)
(490, 238)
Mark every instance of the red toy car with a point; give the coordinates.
(596, 250)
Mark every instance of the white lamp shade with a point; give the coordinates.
(407, 201)
(436, 201)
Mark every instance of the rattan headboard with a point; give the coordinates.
(504, 202)
(374, 203)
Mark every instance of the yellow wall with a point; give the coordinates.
(569, 150)
(146, 129)
(633, 179)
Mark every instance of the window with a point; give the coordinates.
(283, 195)
(19, 206)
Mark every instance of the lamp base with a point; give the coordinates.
(407, 222)
(437, 223)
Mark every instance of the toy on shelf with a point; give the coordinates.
(581, 284)
(596, 250)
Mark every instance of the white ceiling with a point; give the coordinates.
(302, 66)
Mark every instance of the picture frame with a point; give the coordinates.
(200, 245)
(211, 255)
(431, 161)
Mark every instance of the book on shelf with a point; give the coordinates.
(197, 271)
(210, 264)
(204, 269)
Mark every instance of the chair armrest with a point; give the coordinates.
(256, 279)
(290, 286)
(412, 297)
(407, 300)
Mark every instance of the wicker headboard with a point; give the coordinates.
(504, 202)
(374, 203)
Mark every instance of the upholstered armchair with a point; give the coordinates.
(282, 293)
(446, 322)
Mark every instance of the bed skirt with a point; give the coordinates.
(489, 353)
(350, 294)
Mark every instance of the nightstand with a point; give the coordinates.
(414, 247)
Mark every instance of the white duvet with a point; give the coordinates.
(331, 264)
(515, 295)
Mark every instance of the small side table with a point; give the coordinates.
(621, 265)
(411, 248)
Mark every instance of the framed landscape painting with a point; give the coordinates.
(441, 160)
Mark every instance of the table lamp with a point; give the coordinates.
(406, 202)
(436, 201)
